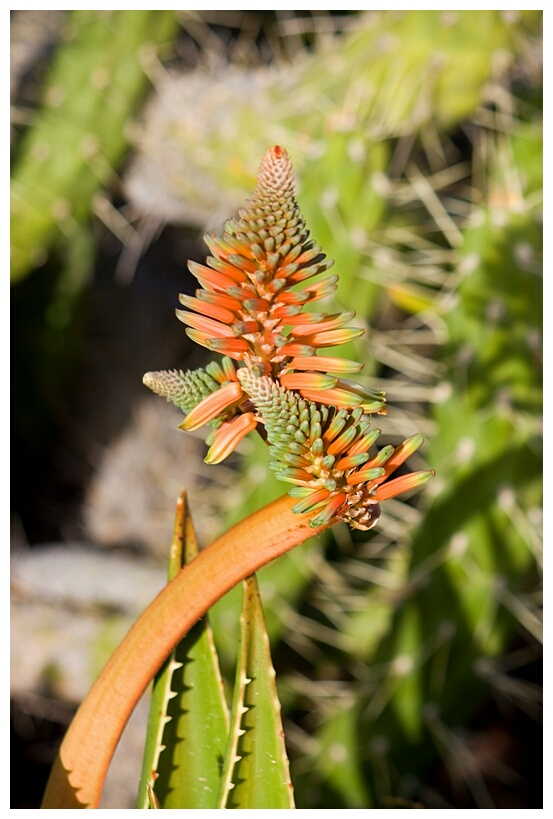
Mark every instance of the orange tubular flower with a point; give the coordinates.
(247, 309)
(255, 286)
(225, 440)
(210, 396)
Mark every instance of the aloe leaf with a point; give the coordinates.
(188, 724)
(256, 772)
(153, 801)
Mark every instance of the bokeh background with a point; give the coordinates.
(408, 658)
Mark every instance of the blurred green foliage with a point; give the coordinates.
(78, 136)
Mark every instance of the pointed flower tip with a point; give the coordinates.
(274, 155)
(414, 442)
(166, 383)
(405, 450)
(405, 483)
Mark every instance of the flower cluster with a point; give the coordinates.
(325, 452)
(212, 396)
(251, 307)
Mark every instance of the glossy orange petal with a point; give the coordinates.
(326, 364)
(352, 461)
(258, 306)
(223, 248)
(313, 499)
(232, 271)
(311, 270)
(342, 442)
(402, 484)
(332, 338)
(210, 279)
(245, 328)
(242, 293)
(300, 381)
(365, 475)
(292, 319)
(365, 442)
(294, 348)
(234, 347)
(220, 299)
(206, 325)
(308, 255)
(320, 290)
(323, 326)
(329, 510)
(212, 406)
(334, 397)
(402, 452)
(213, 311)
(228, 436)
(295, 297)
(200, 338)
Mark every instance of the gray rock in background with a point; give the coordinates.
(71, 606)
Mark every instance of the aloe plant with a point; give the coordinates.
(377, 158)
(459, 270)
(318, 429)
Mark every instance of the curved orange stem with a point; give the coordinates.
(78, 775)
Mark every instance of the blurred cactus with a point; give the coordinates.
(336, 109)
(473, 585)
(78, 137)
(78, 86)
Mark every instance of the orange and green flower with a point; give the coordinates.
(212, 396)
(251, 306)
(255, 287)
(326, 453)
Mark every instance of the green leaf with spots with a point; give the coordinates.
(256, 773)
